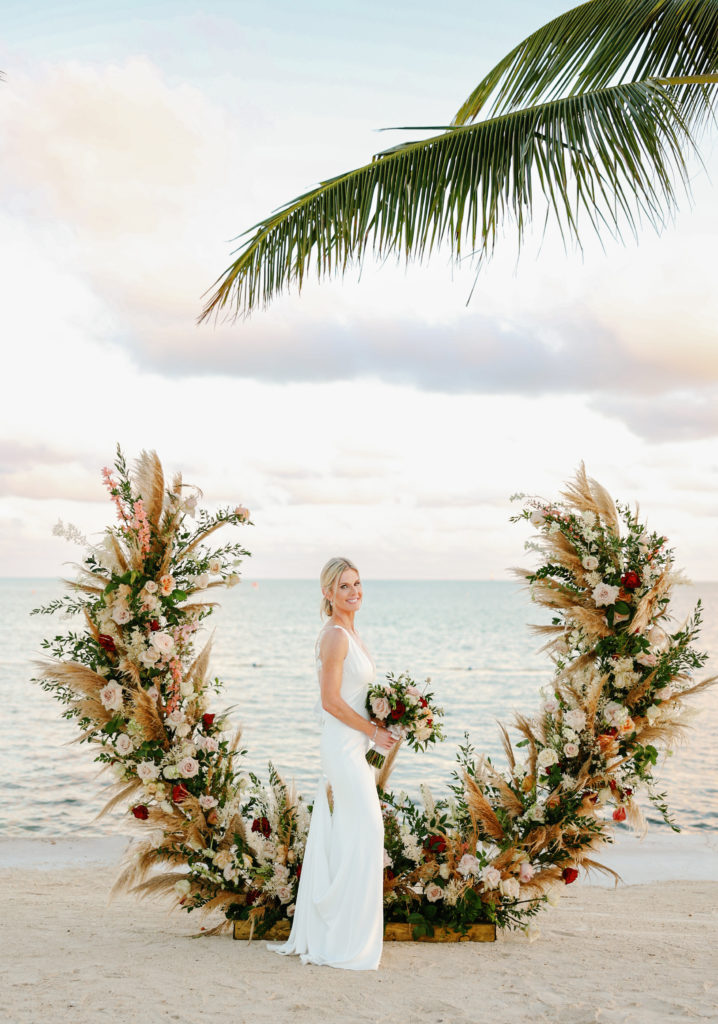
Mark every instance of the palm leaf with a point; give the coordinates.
(606, 42)
(607, 155)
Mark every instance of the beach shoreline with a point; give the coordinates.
(600, 955)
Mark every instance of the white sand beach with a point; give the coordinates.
(644, 952)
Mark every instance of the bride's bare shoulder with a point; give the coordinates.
(333, 642)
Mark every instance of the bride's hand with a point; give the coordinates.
(385, 740)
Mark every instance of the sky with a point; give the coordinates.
(383, 416)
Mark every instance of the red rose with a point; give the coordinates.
(569, 875)
(423, 702)
(631, 580)
(154, 625)
(299, 870)
(141, 812)
(389, 874)
(261, 825)
(207, 721)
(398, 710)
(619, 814)
(629, 792)
(429, 721)
(612, 730)
(107, 643)
(612, 784)
(252, 895)
(179, 792)
(435, 844)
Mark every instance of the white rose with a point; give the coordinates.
(284, 892)
(162, 642)
(223, 859)
(175, 718)
(150, 586)
(536, 518)
(215, 566)
(510, 888)
(616, 714)
(604, 594)
(433, 892)
(547, 756)
(123, 744)
(184, 729)
(575, 719)
(182, 888)
(551, 705)
(590, 562)
(468, 865)
(571, 750)
(188, 767)
(380, 706)
(232, 580)
(147, 771)
(491, 878)
(111, 696)
(652, 714)
(290, 910)
(170, 771)
(201, 581)
(121, 614)
(444, 871)
(186, 688)
(207, 802)
(150, 656)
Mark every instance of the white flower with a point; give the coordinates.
(536, 518)
(284, 892)
(444, 871)
(647, 659)
(575, 719)
(149, 657)
(290, 910)
(590, 562)
(547, 756)
(593, 579)
(535, 813)
(147, 771)
(231, 874)
(526, 872)
(150, 586)
(170, 771)
(215, 566)
(491, 877)
(652, 713)
(183, 887)
(121, 614)
(186, 688)
(604, 594)
(162, 642)
(468, 865)
(232, 580)
(123, 744)
(510, 888)
(380, 706)
(167, 807)
(551, 705)
(433, 892)
(207, 802)
(188, 767)
(616, 714)
(111, 696)
(183, 729)
(589, 518)
(189, 505)
(175, 718)
(201, 581)
(223, 859)
(571, 750)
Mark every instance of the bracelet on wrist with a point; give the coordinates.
(376, 730)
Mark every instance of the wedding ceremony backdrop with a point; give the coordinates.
(491, 853)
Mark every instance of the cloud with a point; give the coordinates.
(34, 470)
(672, 416)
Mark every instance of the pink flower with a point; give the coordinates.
(604, 594)
(188, 767)
(571, 749)
(648, 659)
(468, 865)
(433, 892)
(526, 872)
(141, 526)
(242, 512)
(111, 696)
(380, 706)
(162, 642)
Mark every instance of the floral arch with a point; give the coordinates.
(215, 838)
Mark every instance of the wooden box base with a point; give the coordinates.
(393, 932)
(401, 932)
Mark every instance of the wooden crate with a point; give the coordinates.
(393, 932)
(400, 932)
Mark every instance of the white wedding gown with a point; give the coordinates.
(338, 919)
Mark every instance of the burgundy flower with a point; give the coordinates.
(569, 875)
(252, 895)
(299, 870)
(423, 702)
(435, 844)
(389, 874)
(141, 812)
(631, 580)
(207, 721)
(107, 643)
(179, 792)
(154, 625)
(619, 814)
(398, 710)
(261, 825)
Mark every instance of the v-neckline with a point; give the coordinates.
(361, 646)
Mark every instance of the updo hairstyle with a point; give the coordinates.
(329, 578)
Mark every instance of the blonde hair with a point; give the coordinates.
(329, 577)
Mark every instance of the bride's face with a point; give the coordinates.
(348, 594)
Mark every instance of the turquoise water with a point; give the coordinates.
(470, 637)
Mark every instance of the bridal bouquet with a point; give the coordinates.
(399, 706)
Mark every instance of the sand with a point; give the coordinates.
(642, 952)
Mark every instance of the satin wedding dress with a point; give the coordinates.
(339, 917)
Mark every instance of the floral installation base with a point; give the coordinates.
(394, 931)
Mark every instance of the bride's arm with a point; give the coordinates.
(333, 649)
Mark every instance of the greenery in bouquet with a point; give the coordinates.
(407, 712)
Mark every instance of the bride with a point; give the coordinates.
(338, 920)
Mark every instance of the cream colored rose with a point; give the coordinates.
(123, 744)
(111, 696)
(510, 888)
(188, 767)
(147, 771)
(380, 706)
(182, 888)
(468, 865)
(167, 584)
(433, 892)
(150, 586)
(149, 657)
(215, 566)
(232, 580)
(121, 614)
(162, 642)
(547, 757)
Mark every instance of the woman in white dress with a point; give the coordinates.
(338, 918)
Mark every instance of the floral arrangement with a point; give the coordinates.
(503, 843)
(399, 706)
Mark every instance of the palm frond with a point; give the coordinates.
(609, 155)
(606, 42)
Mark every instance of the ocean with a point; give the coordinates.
(470, 638)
